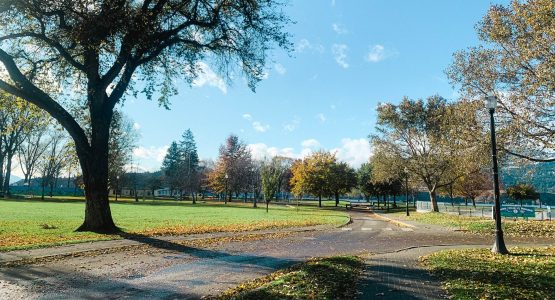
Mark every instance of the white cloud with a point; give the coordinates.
(151, 153)
(247, 117)
(355, 152)
(256, 125)
(305, 44)
(292, 125)
(311, 143)
(340, 54)
(378, 53)
(280, 69)
(260, 127)
(339, 28)
(262, 151)
(321, 117)
(136, 126)
(208, 77)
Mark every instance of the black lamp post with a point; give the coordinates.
(407, 190)
(499, 245)
(225, 194)
(117, 187)
(254, 179)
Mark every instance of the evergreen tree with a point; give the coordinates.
(189, 168)
(171, 165)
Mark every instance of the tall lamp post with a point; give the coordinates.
(407, 190)
(254, 179)
(225, 194)
(499, 245)
(117, 187)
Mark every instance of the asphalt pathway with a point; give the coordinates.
(169, 270)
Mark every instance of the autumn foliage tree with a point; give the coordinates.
(103, 51)
(235, 163)
(436, 141)
(522, 191)
(321, 175)
(516, 61)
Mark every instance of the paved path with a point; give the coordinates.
(166, 269)
(399, 275)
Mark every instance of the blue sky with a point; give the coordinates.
(349, 56)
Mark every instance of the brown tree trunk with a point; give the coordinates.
(94, 164)
(336, 199)
(433, 200)
(319, 200)
(474, 202)
(8, 175)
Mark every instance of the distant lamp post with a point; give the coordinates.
(253, 170)
(117, 187)
(407, 190)
(225, 192)
(499, 245)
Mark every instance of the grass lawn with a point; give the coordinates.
(528, 273)
(319, 278)
(35, 223)
(479, 225)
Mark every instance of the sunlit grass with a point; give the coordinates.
(528, 273)
(35, 223)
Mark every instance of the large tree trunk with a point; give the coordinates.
(433, 200)
(94, 163)
(319, 200)
(336, 199)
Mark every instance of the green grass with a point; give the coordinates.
(528, 273)
(35, 223)
(319, 278)
(477, 225)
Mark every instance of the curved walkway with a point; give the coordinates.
(162, 269)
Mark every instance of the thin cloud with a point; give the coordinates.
(208, 77)
(377, 53)
(339, 28)
(340, 54)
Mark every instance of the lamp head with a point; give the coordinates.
(491, 101)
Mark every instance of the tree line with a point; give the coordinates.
(36, 144)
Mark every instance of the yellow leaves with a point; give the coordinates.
(527, 273)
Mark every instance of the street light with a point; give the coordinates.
(499, 245)
(225, 193)
(117, 186)
(407, 190)
(253, 170)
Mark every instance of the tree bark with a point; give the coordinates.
(433, 200)
(319, 200)
(8, 175)
(94, 164)
(336, 199)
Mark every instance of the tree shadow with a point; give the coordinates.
(387, 280)
(263, 261)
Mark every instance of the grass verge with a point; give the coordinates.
(28, 224)
(527, 273)
(477, 225)
(319, 278)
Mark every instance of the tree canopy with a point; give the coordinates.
(78, 60)
(516, 61)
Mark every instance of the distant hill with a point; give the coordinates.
(14, 179)
(540, 175)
